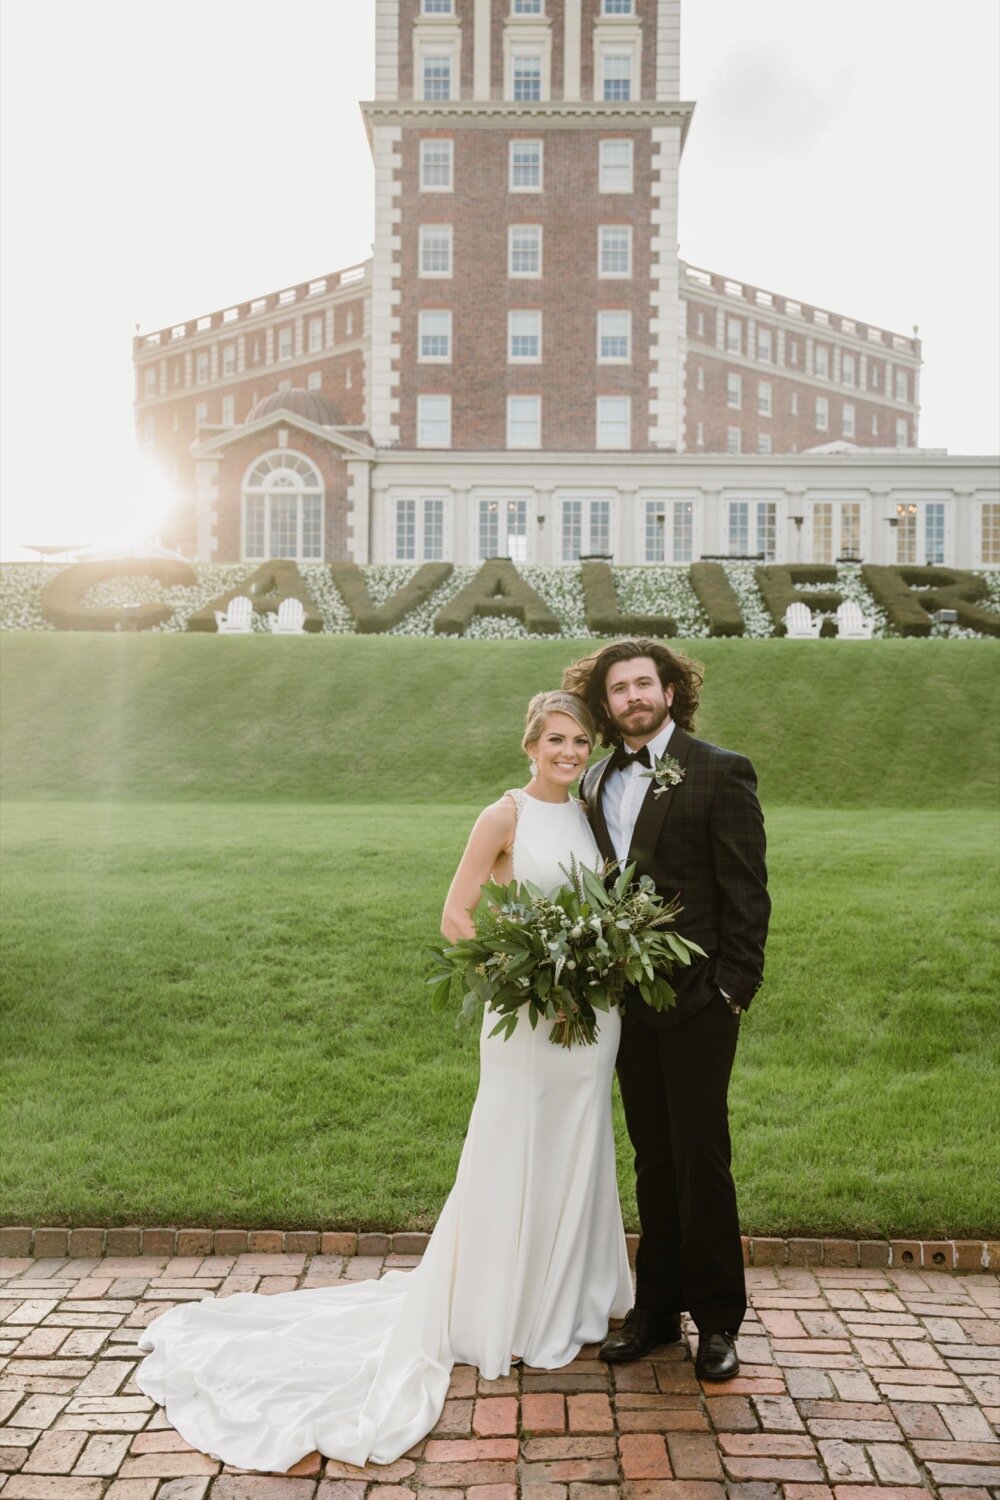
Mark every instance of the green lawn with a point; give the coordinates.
(214, 1013)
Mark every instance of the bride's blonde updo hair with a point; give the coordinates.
(556, 702)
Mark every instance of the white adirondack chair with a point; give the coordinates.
(800, 624)
(852, 624)
(237, 619)
(290, 619)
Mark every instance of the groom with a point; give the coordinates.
(698, 833)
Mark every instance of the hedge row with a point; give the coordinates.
(497, 589)
(716, 597)
(63, 606)
(777, 584)
(266, 587)
(372, 619)
(910, 595)
(600, 603)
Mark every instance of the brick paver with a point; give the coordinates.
(870, 1382)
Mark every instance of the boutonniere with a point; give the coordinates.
(667, 772)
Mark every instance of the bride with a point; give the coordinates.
(527, 1260)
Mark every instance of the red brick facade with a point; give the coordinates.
(238, 458)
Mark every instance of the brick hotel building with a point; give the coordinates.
(525, 367)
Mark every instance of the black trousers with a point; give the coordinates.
(674, 1081)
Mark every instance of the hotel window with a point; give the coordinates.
(683, 530)
(902, 386)
(700, 325)
(822, 532)
(615, 166)
(874, 426)
(763, 442)
(435, 249)
(433, 421)
(229, 411)
(614, 258)
(177, 372)
(437, 161)
(821, 361)
(902, 433)
(525, 174)
(752, 528)
(148, 430)
(764, 345)
(437, 76)
(847, 370)
(435, 336)
(436, 7)
(764, 400)
(616, 76)
(795, 404)
(524, 250)
(734, 440)
(526, 70)
(528, 8)
(614, 421)
(421, 517)
(934, 532)
(616, 7)
(315, 381)
(734, 390)
(349, 324)
(200, 415)
(229, 359)
(873, 375)
(202, 368)
(503, 529)
(989, 534)
(700, 435)
(793, 353)
(152, 383)
(656, 522)
(906, 534)
(614, 338)
(822, 414)
(284, 343)
(315, 335)
(847, 419)
(524, 421)
(699, 378)
(850, 528)
(734, 336)
(586, 528)
(283, 509)
(524, 337)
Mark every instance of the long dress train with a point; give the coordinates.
(527, 1259)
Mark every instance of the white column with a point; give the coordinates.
(572, 45)
(460, 504)
(545, 533)
(713, 529)
(384, 386)
(668, 49)
(481, 25)
(387, 49)
(664, 322)
(206, 479)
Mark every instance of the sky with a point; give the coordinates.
(162, 160)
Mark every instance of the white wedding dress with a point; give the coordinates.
(527, 1259)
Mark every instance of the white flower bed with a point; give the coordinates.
(656, 588)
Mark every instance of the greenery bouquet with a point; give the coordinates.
(563, 957)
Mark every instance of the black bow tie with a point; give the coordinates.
(622, 758)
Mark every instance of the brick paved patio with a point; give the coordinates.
(875, 1384)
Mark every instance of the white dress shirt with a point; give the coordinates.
(623, 792)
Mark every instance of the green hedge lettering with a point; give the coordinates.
(370, 619)
(62, 602)
(497, 589)
(715, 594)
(777, 584)
(910, 595)
(600, 604)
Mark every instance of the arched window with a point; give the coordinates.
(283, 509)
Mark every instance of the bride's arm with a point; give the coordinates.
(491, 836)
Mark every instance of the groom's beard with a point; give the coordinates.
(641, 721)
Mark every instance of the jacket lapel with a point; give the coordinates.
(595, 804)
(654, 809)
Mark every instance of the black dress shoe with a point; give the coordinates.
(717, 1357)
(641, 1331)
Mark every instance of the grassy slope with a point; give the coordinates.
(839, 724)
(215, 1015)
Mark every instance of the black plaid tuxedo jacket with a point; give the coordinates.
(702, 841)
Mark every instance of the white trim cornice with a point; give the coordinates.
(568, 114)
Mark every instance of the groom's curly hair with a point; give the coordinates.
(587, 678)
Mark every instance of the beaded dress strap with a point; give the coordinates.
(519, 797)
